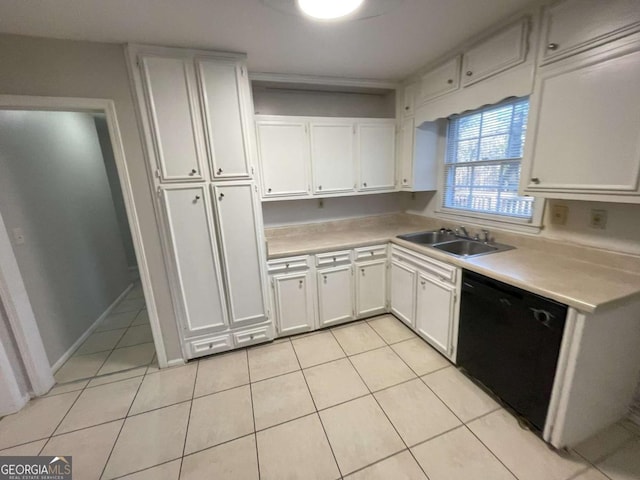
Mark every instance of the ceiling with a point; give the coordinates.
(388, 47)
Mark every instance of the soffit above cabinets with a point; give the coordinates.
(388, 47)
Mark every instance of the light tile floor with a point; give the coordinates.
(122, 342)
(368, 400)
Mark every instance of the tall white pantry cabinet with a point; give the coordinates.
(196, 112)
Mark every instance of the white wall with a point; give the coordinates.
(62, 68)
(292, 212)
(54, 188)
(116, 190)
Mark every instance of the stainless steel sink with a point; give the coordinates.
(452, 244)
(428, 238)
(465, 248)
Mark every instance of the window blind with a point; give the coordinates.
(482, 161)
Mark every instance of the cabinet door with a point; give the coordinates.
(225, 100)
(573, 141)
(504, 50)
(435, 312)
(174, 115)
(198, 288)
(283, 149)
(441, 80)
(332, 157)
(572, 26)
(403, 292)
(293, 302)
(239, 227)
(409, 99)
(335, 295)
(376, 155)
(371, 288)
(407, 134)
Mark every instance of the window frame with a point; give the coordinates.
(519, 224)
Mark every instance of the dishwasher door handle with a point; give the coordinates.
(542, 316)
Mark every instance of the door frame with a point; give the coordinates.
(13, 294)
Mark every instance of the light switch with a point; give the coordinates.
(559, 214)
(18, 236)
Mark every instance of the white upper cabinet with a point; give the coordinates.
(409, 94)
(199, 292)
(332, 157)
(418, 156)
(376, 155)
(240, 229)
(227, 108)
(501, 51)
(584, 132)
(572, 26)
(169, 87)
(285, 164)
(441, 80)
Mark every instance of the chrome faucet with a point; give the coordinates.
(486, 238)
(464, 231)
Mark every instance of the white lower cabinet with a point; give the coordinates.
(435, 312)
(424, 295)
(335, 295)
(293, 302)
(371, 287)
(403, 287)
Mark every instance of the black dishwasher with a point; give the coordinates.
(509, 340)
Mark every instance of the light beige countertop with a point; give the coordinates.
(585, 280)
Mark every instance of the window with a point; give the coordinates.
(482, 162)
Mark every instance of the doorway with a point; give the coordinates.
(66, 205)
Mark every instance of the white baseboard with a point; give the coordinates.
(90, 330)
(176, 362)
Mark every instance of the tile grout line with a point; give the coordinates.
(253, 412)
(317, 412)
(104, 468)
(186, 433)
(382, 409)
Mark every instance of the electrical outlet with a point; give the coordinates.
(18, 236)
(599, 219)
(559, 214)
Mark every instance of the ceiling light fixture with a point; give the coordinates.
(329, 9)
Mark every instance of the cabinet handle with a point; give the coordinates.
(404, 180)
(325, 278)
(362, 270)
(197, 198)
(371, 253)
(469, 73)
(301, 283)
(221, 196)
(422, 282)
(334, 259)
(364, 184)
(552, 46)
(407, 107)
(219, 171)
(286, 265)
(450, 81)
(319, 187)
(535, 180)
(268, 190)
(193, 171)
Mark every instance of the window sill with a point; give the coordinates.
(486, 220)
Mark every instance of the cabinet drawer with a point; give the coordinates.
(441, 270)
(253, 336)
(288, 264)
(368, 253)
(208, 346)
(333, 258)
(572, 26)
